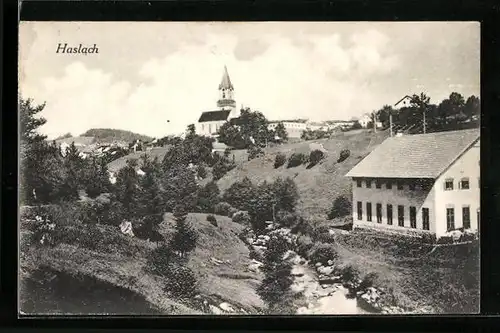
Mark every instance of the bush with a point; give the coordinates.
(222, 208)
(368, 281)
(295, 160)
(344, 154)
(241, 217)
(255, 255)
(315, 157)
(286, 219)
(323, 252)
(201, 171)
(159, 260)
(445, 240)
(341, 207)
(304, 245)
(181, 281)
(279, 160)
(254, 152)
(349, 273)
(212, 220)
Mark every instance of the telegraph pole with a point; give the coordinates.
(424, 109)
(374, 122)
(390, 122)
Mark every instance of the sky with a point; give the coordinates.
(155, 78)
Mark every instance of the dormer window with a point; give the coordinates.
(448, 184)
(464, 184)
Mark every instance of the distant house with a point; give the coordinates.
(82, 143)
(426, 183)
(294, 128)
(367, 121)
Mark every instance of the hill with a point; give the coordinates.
(105, 135)
(116, 165)
(106, 273)
(319, 185)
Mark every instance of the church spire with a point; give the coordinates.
(226, 81)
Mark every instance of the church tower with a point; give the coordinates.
(226, 95)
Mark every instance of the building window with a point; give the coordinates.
(401, 215)
(360, 210)
(466, 217)
(369, 211)
(400, 185)
(413, 217)
(389, 214)
(464, 184)
(425, 218)
(378, 184)
(368, 183)
(448, 184)
(388, 185)
(450, 219)
(379, 213)
(412, 187)
(359, 183)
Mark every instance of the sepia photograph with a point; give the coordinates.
(249, 168)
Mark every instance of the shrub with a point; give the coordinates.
(201, 171)
(323, 252)
(241, 217)
(341, 207)
(181, 281)
(240, 194)
(349, 273)
(344, 154)
(254, 254)
(368, 281)
(212, 220)
(146, 228)
(304, 245)
(159, 260)
(295, 160)
(185, 236)
(254, 152)
(315, 157)
(286, 219)
(445, 240)
(231, 212)
(222, 208)
(279, 160)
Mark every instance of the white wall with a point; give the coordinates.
(418, 198)
(209, 127)
(466, 166)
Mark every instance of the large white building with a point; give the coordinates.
(426, 183)
(210, 121)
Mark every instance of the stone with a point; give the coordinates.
(215, 310)
(318, 264)
(330, 262)
(227, 307)
(325, 270)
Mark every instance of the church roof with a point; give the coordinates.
(214, 115)
(226, 81)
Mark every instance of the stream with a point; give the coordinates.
(330, 300)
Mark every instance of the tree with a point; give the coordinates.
(185, 237)
(208, 197)
(275, 287)
(281, 132)
(240, 194)
(180, 187)
(472, 107)
(341, 207)
(260, 208)
(74, 171)
(29, 123)
(127, 188)
(251, 128)
(286, 194)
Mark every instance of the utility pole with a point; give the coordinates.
(390, 122)
(374, 122)
(424, 109)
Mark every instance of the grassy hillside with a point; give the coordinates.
(121, 162)
(109, 135)
(116, 262)
(321, 184)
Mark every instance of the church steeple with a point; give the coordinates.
(226, 81)
(226, 94)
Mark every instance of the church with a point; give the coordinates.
(210, 121)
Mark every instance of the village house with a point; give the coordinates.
(425, 183)
(294, 128)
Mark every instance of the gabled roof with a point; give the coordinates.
(415, 156)
(218, 115)
(226, 81)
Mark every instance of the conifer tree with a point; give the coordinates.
(185, 237)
